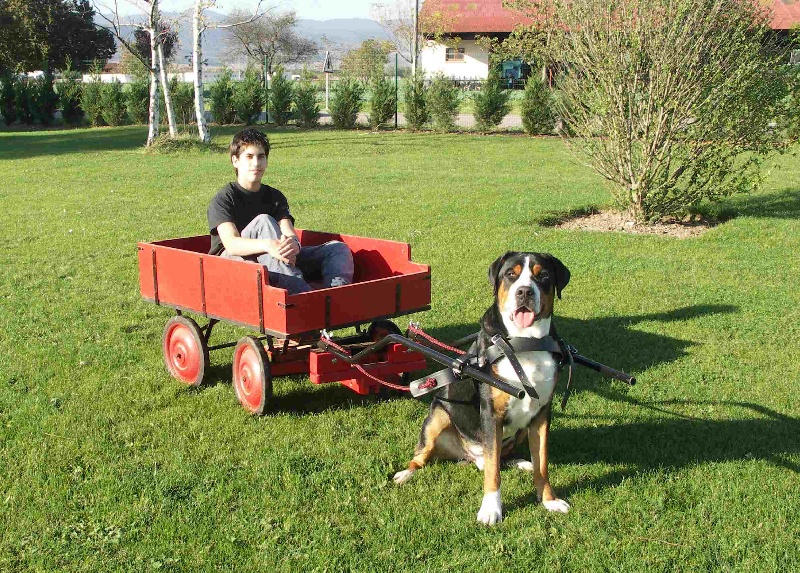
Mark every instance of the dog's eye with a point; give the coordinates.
(511, 273)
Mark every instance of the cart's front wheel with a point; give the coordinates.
(381, 329)
(252, 379)
(185, 350)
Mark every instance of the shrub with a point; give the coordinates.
(382, 102)
(346, 100)
(23, 100)
(112, 101)
(248, 97)
(69, 95)
(44, 99)
(682, 92)
(137, 99)
(8, 103)
(182, 100)
(221, 93)
(91, 93)
(417, 114)
(305, 103)
(281, 93)
(536, 108)
(491, 103)
(443, 99)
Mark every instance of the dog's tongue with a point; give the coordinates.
(523, 317)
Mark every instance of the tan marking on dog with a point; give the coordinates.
(538, 434)
(537, 270)
(437, 424)
(502, 294)
(491, 467)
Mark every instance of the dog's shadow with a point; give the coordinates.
(673, 444)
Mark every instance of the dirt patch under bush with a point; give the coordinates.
(617, 221)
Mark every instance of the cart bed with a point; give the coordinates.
(180, 274)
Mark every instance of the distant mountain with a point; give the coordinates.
(340, 35)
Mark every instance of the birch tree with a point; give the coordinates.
(199, 26)
(156, 66)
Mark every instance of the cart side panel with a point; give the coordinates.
(147, 285)
(232, 290)
(414, 291)
(179, 278)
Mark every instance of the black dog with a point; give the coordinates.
(477, 422)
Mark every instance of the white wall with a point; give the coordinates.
(126, 79)
(474, 66)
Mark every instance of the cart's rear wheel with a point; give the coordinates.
(252, 379)
(185, 350)
(382, 328)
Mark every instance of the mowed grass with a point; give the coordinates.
(108, 464)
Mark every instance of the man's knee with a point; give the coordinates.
(262, 227)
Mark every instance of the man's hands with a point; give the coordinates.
(285, 249)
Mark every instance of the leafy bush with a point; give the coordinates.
(305, 102)
(112, 100)
(221, 93)
(491, 103)
(248, 97)
(44, 98)
(69, 95)
(138, 99)
(182, 100)
(443, 99)
(536, 108)
(382, 101)
(8, 103)
(281, 93)
(346, 100)
(22, 100)
(417, 114)
(91, 94)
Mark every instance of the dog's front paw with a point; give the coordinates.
(491, 511)
(402, 477)
(558, 505)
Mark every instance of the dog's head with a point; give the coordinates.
(525, 286)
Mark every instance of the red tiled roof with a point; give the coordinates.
(785, 14)
(476, 16)
(470, 16)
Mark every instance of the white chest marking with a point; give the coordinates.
(540, 367)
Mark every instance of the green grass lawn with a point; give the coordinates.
(108, 464)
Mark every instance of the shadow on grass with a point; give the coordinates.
(27, 144)
(674, 444)
(784, 204)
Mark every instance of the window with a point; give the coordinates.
(454, 55)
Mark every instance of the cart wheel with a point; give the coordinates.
(252, 379)
(185, 350)
(382, 328)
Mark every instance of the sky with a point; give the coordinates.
(306, 9)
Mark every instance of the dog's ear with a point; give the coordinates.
(494, 270)
(562, 274)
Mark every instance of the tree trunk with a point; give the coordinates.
(197, 65)
(173, 131)
(154, 117)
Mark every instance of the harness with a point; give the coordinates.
(502, 348)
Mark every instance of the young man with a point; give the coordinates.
(250, 220)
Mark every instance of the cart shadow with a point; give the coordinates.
(671, 445)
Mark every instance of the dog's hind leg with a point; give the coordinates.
(538, 435)
(434, 441)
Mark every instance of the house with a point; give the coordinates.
(467, 20)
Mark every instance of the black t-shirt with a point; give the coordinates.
(234, 204)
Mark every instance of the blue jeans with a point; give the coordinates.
(332, 262)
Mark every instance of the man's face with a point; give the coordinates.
(250, 166)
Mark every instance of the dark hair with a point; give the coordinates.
(247, 137)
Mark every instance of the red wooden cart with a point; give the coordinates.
(179, 273)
